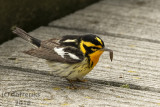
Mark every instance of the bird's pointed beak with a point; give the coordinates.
(110, 52)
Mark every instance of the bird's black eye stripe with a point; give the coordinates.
(94, 47)
(90, 49)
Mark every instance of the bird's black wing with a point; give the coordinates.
(57, 50)
(58, 54)
(52, 50)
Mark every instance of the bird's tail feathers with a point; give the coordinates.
(24, 35)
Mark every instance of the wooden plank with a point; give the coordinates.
(130, 28)
(136, 63)
(132, 19)
(20, 88)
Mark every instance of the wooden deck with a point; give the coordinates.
(131, 28)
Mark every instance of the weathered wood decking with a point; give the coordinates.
(129, 27)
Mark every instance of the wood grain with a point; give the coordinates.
(122, 18)
(130, 28)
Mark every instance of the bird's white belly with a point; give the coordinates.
(70, 71)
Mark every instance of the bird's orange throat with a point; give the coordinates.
(94, 57)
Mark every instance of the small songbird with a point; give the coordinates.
(71, 57)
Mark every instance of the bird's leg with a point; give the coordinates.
(72, 85)
(81, 80)
(77, 80)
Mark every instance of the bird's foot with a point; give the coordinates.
(73, 87)
(81, 80)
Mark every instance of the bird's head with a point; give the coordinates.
(93, 46)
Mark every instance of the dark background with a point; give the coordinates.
(30, 14)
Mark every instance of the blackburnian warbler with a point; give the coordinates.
(71, 57)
